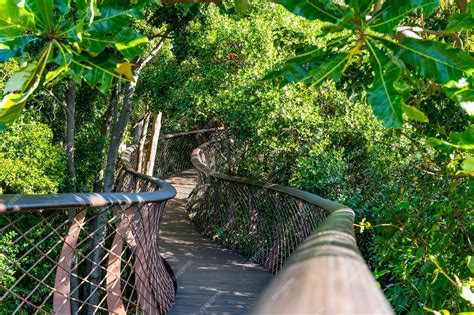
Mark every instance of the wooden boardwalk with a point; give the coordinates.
(210, 278)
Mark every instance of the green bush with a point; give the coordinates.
(29, 161)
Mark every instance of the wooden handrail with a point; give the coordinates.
(326, 274)
(15, 202)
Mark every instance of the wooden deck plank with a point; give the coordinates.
(211, 279)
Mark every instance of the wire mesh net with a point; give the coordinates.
(264, 224)
(174, 150)
(91, 259)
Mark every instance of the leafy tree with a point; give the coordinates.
(57, 39)
(29, 161)
(401, 54)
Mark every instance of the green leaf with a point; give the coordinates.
(460, 140)
(55, 74)
(470, 263)
(324, 10)
(464, 139)
(15, 47)
(113, 17)
(460, 22)
(63, 6)
(86, 10)
(19, 80)
(414, 113)
(465, 98)
(14, 19)
(241, 6)
(433, 59)
(382, 96)
(126, 41)
(98, 72)
(312, 67)
(12, 104)
(393, 12)
(43, 11)
(468, 167)
(3, 127)
(330, 66)
(361, 7)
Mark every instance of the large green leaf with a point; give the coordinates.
(361, 7)
(12, 105)
(15, 47)
(311, 67)
(464, 139)
(464, 97)
(461, 22)
(86, 10)
(63, 6)
(324, 10)
(113, 17)
(129, 43)
(26, 83)
(382, 95)
(433, 59)
(468, 167)
(330, 66)
(99, 72)
(20, 79)
(393, 12)
(414, 113)
(14, 19)
(43, 11)
(126, 41)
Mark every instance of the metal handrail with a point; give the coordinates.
(14, 202)
(326, 274)
(56, 231)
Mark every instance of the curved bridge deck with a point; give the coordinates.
(210, 278)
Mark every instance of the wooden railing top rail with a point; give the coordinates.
(326, 274)
(192, 132)
(321, 202)
(16, 202)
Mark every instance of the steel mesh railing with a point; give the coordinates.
(174, 150)
(307, 239)
(47, 245)
(265, 222)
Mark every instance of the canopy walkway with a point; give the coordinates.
(136, 250)
(210, 278)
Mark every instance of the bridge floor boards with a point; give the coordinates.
(211, 279)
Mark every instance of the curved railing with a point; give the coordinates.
(307, 239)
(49, 243)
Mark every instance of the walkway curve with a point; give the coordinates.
(211, 279)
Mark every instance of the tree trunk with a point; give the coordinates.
(153, 146)
(70, 109)
(100, 220)
(107, 120)
(71, 130)
(142, 142)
